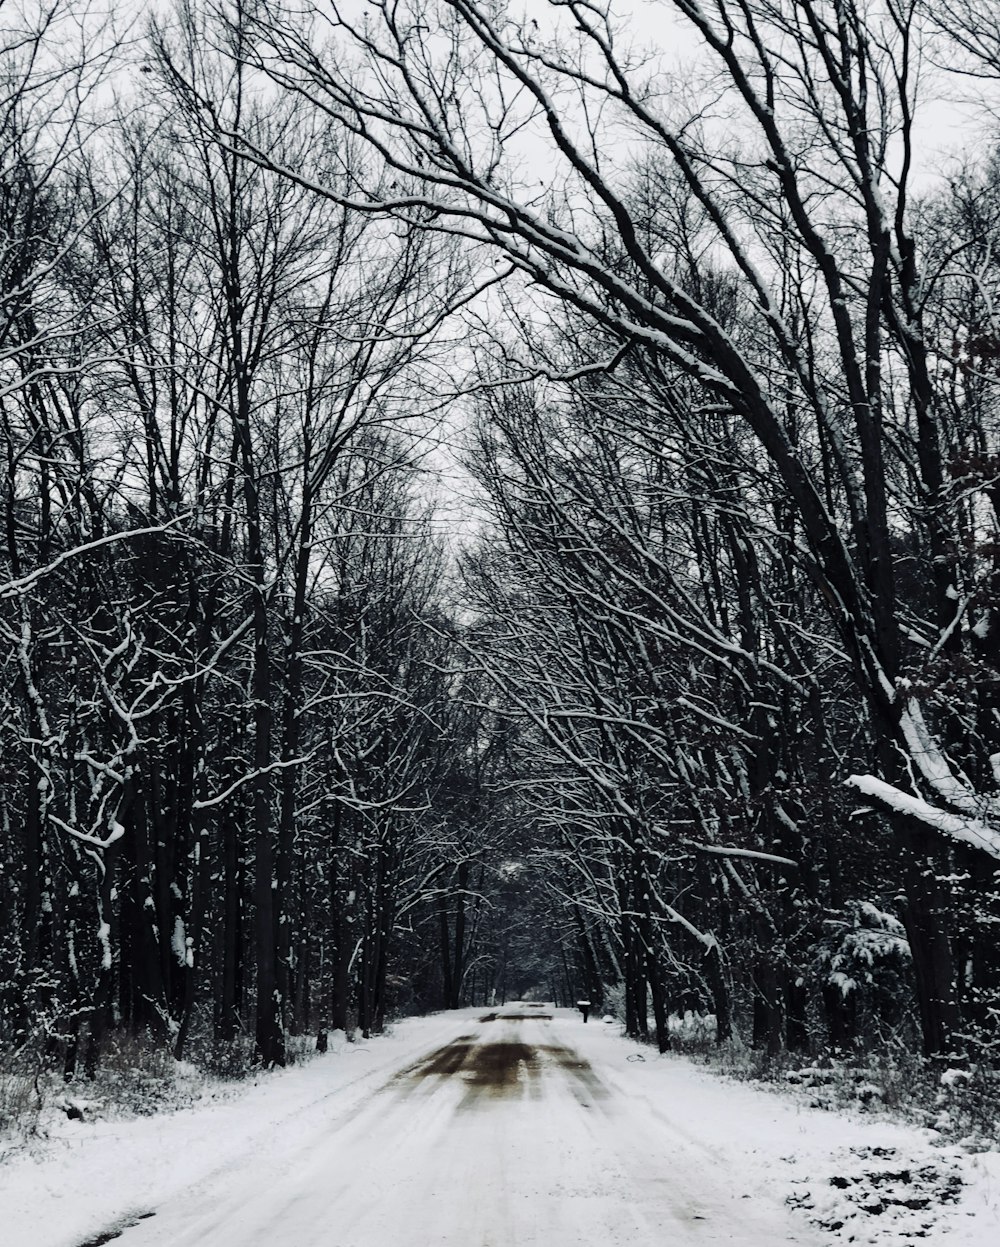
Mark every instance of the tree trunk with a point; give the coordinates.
(841, 1012)
(796, 1022)
(458, 961)
(715, 974)
(660, 1016)
(766, 1004)
(444, 942)
(924, 917)
(231, 1001)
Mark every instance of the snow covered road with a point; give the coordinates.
(510, 1132)
(519, 1128)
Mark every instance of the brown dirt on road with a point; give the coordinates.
(499, 1070)
(516, 1017)
(442, 1062)
(502, 1069)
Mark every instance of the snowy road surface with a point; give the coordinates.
(509, 1132)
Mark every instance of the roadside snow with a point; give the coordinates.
(848, 1179)
(858, 1179)
(89, 1176)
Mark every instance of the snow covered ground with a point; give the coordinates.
(478, 1130)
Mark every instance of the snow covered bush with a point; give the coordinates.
(19, 1108)
(692, 1032)
(614, 1001)
(229, 1059)
(864, 968)
(139, 1079)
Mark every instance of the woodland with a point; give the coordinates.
(499, 499)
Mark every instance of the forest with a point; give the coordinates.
(499, 499)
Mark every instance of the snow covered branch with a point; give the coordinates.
(962, 828)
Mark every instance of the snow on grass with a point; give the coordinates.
(881, 1194)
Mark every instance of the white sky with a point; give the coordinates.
(954, 112)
